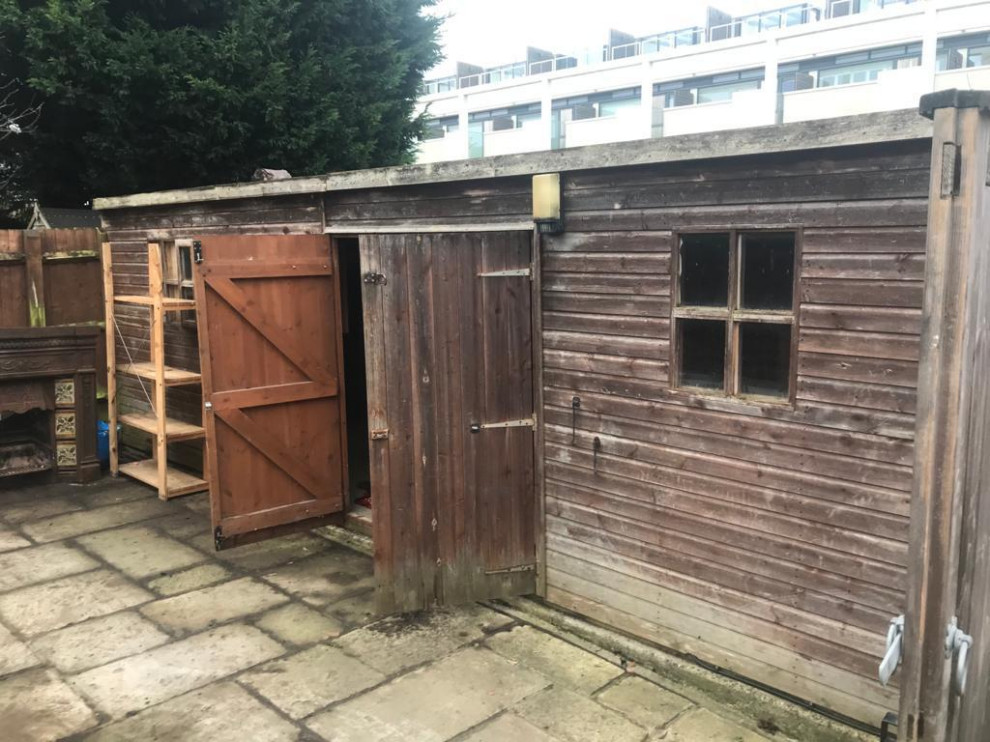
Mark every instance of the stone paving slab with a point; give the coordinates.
(15, 655)
(573, 717)
(296, 624)
(400, 642)
(122, 491)
(184, 524)
(209, 606)
(52, 605)
(703, 724)
(23, 512)
(324, 578)
(643, 702)
(90, 521)
(40, 563)
(223, 712)
(36, 706)
(564, 663)
(311, 680)
(433, 703)
(137, 682)
(139, 551)
(269, 554)
(185, 580)
(508, 728)
(11, 540)
(99, 641)
(355, 610)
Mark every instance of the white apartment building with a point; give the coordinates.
(795, 63)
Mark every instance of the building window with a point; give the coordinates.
(177, 275)
(734, 326)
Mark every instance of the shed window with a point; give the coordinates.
(734, 319)
(177, 270)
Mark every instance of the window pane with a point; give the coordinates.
(702, 352)
(767, 271)
(764, 359)
(705, 270)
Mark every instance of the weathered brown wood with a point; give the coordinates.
(35, 278)
(111, 354)
(272, 371)
(461, 511)
(948, 549)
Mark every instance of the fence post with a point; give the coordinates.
(35, 278)
(952, 446)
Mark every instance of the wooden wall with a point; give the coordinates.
(490, 201)
(128, 232)
(768, 540)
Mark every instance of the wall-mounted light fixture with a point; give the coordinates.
(546, 204)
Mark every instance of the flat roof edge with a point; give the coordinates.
(870, 128)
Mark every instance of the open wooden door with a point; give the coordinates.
(268, 317)
(448, 331)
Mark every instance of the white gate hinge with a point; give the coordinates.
(892, 657)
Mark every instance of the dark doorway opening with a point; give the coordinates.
(355, 386)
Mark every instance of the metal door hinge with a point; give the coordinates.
(512, 570)
(958, 643)
(506, 273)
(218, 538)
(379, 435)
(951, 170)
(892, 657)
(526, 422)
(375, 279)
(197, 252)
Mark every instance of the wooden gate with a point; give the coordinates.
(270, 347)
(448, 332)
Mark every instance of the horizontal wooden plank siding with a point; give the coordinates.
(128, 232)
(767, 539)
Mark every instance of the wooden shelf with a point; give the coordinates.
(179, 482)
(168, 304)
(173, 376)
(175, 430)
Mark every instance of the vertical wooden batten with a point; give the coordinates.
(952, 476)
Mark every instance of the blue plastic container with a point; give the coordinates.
(103, 443)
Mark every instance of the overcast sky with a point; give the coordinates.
(491, 32)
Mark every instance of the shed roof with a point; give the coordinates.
(824, 133)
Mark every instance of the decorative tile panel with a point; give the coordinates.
(65, 393)
(65, 424)
(65, 455)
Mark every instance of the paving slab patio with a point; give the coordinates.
(125, 624)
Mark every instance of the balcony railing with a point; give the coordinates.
(769, 20)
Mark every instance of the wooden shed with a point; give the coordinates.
(687, 410)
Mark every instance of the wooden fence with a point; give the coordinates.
(52, 277)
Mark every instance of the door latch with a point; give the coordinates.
(892, 657)
(197, 252)
(375, 279)
(959, 643)
(379, 435)
(207, 405)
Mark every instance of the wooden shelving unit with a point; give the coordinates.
(155, 472)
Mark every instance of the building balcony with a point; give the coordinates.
(454, 146)
(745, 108)
(529, 138)
(967, 78)
(624, 126)
(892, 90)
